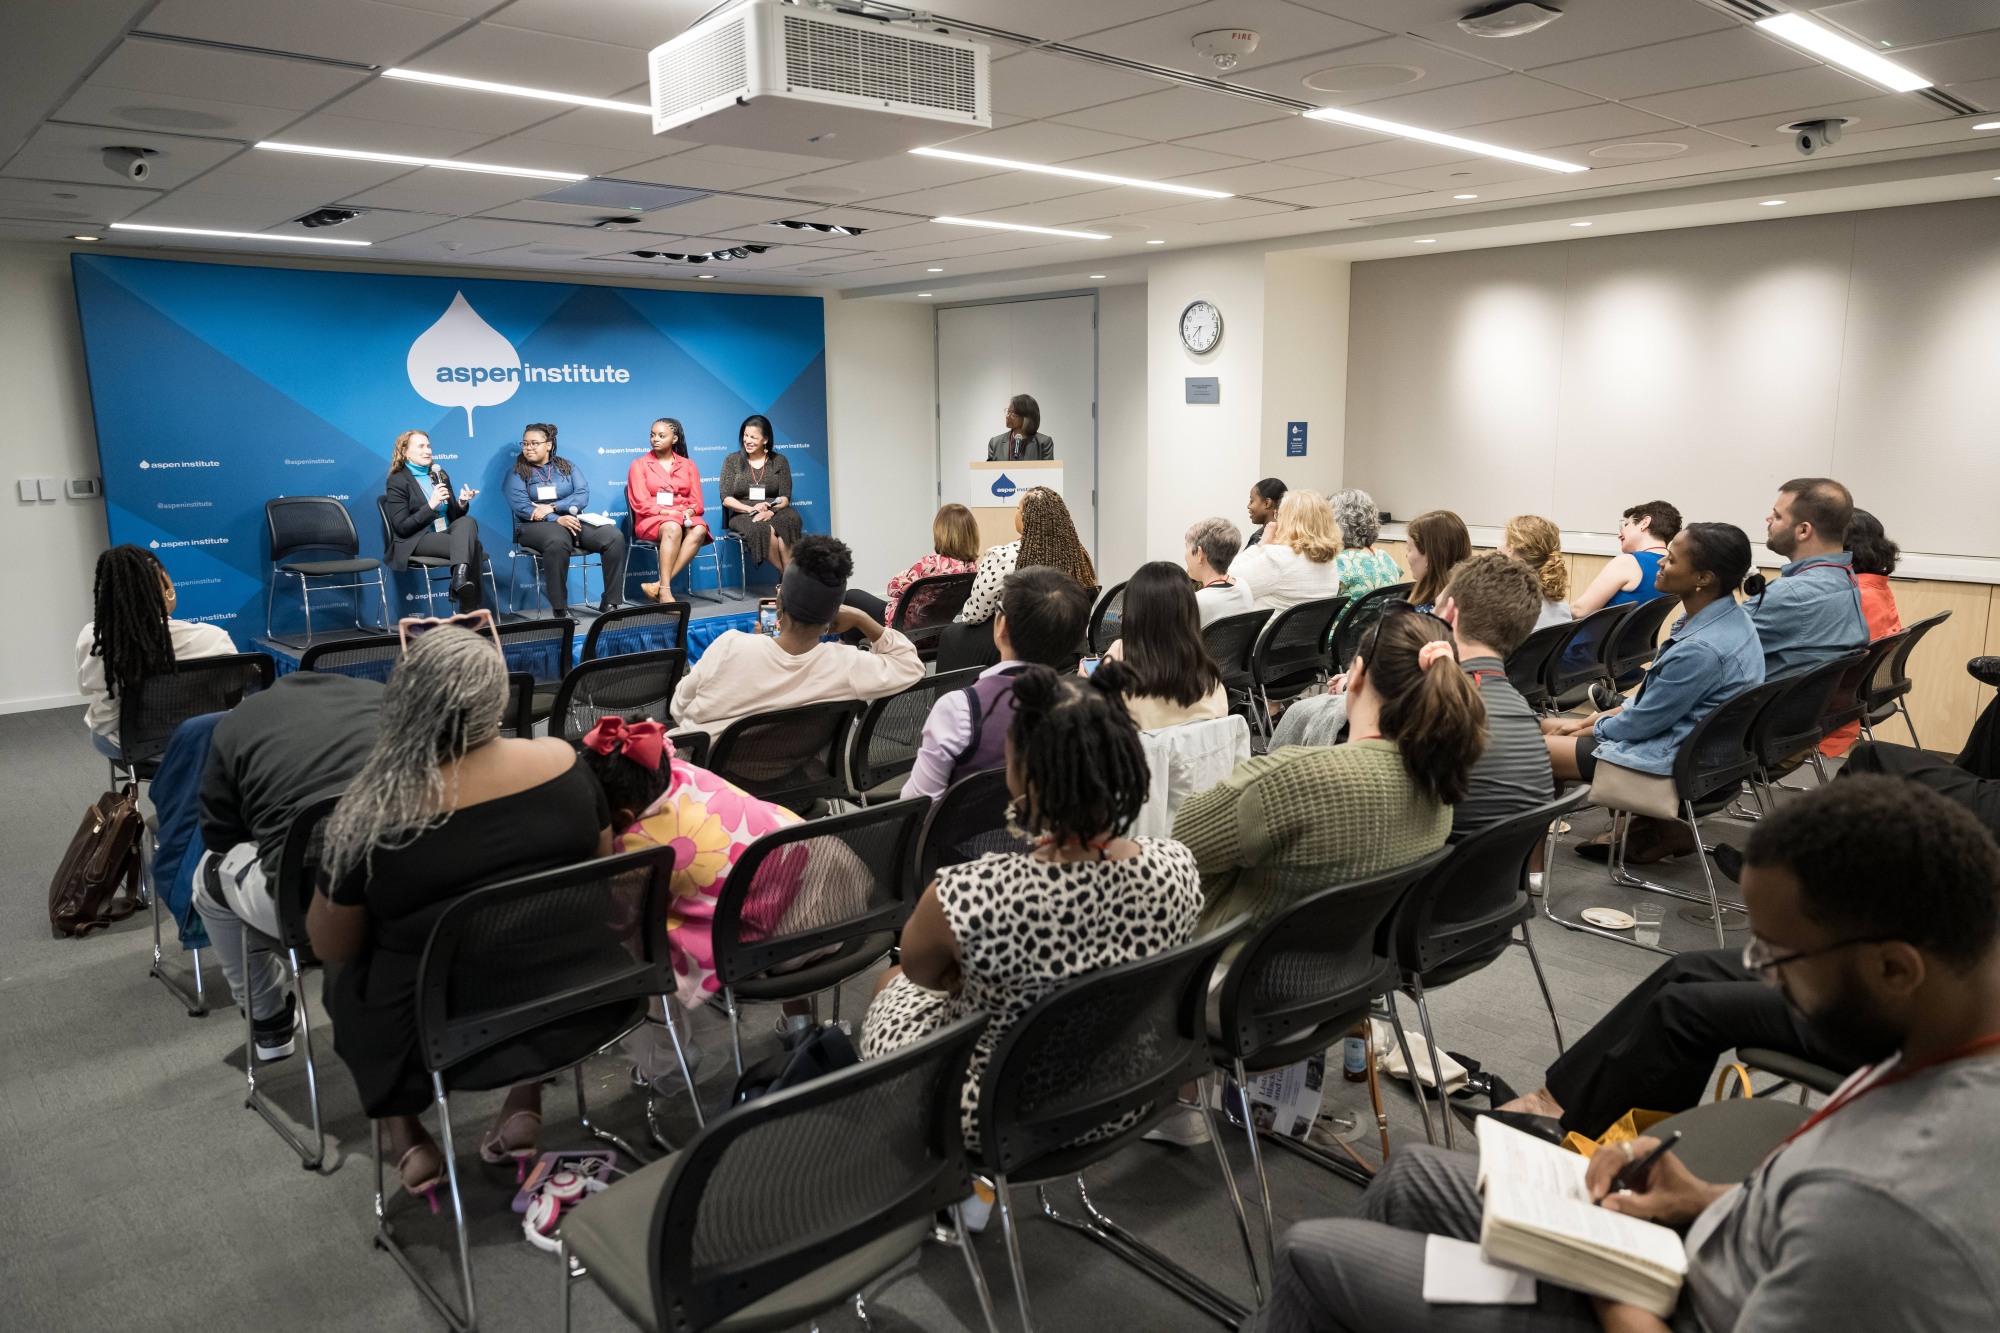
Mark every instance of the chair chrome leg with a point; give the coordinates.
(1708, 873)
(457, 1196)
(1020, 1273)
(598, 1131)
(1169, 1274)
(1543, 981)
(563, 1276)
(385, 1236)
(1910, 721)
(309, 1158)
(194, 1001)
(1257, 1166)
(687, 1072)
(978, 1274)
(1819, 765)
(1235, 1195)
(1625, 879)
(1416, 1084)
(735, 1029)
(1437, 1060)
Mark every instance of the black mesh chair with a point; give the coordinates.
(630, 685)
(813, 905)
(1792, 724)
(581, 562)
(318, 524)
(637, 629)
(1888, 691)
(522, 980)
(1361, 613)
(1792, 1071)
(967, 822)
(1633, 642)
(543, 649)
(1107, 619)
(1727, 1141)
(1461, 916)
(1290, 653)
(1301, 982)
(298, 874)
(429, 567)
(519, 719)
(789, 1204)
(691, 746)
(1230, 641)
(1528, 665)
(793, 756)
(368, 657)
(1108, 1048)
(1578, 663)
(927, 606)
(884, 748)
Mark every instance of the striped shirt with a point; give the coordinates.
(1513, 775)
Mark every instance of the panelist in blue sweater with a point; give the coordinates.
(549, 498)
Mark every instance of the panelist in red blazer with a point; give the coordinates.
(663, 491)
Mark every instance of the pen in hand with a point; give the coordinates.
(1635, 1170)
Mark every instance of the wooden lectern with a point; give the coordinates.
(994, 510)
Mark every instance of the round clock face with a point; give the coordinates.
(1201, 327)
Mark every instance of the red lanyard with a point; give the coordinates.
(1843, 1100)
(1481, 673)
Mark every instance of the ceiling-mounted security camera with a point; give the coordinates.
(130, 162)
(329, 217)
(1809, 136)
(1510, 18)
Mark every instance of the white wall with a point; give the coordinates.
(1305, 368)
(1122, 437)
(880, 404)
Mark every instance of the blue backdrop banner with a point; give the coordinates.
(218, 387)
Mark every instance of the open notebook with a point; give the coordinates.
(1539, 1219)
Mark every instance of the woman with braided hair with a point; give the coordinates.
(1537, 543)
(131, 635)
(1048, 538)
(443, 805)
(999, 933)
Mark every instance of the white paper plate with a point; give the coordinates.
(1610, 918)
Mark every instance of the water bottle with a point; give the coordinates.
(1354, 1060)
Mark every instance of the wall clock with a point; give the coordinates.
(1201, 327)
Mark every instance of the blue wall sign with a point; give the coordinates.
(1295, 439)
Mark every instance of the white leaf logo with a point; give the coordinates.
(462, 361)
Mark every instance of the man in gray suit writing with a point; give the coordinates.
(1023, 437)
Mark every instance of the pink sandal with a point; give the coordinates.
(426, 1187)
(505, 1142)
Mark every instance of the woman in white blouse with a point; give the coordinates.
(132, 634)
(1297, 560)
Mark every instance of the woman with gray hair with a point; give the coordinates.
(1362, 567)
(443, 805)
(1212, 546)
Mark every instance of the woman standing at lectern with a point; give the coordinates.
(756, 489)
(426, 519)
(1023, 437)
(663, 491)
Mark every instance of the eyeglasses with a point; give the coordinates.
(479, 622)
(1758, 958)
(1394, 606)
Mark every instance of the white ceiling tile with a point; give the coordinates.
(1042, 141)
(1440, 69)
(1038, 84)
(1868, 113)
(642, 24)
(888, 175)
(698, 173)
(1208, 212)
(69, 201)
(1050, 20)
(1595, 123)
(1381, 157)
(1462, 105)
(1293, 137)
(1981, 92)
(452, 193)
(168, 67)
(1259, 178)
(1695, 143)
(992, 192)
(327, 130)
(363, 30)
(521, 150)
(227, 212)
(1462, 175)
(1175, 113)
(718, 211)
(75, 153)
(484, 114)
(789, 164)
(873, 220)
(1772, 94)
(1286, 32)
(388, 224)
(1690, 62)
(1584, 30)
(1092, 207)
(537, 60)
(290, 176)
(1954, 62)
(1331, 193)
(1162, 161)
(96, 105)
(611, 131)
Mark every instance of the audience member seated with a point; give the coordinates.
(1043, 612)
(1712, 654)
(1170, 677)
(426, 519)
(1972, 780)
(741, 673)
(272, 754)
(1812, 613)
(1643, 535)
(954, 550)
(1304, 818)
(1436, 544)
(1212, 546)
(756, 493)
(1875, 558)
(1296, 561)
(999, 933)
(443, 805)
(1265, 497)
(1047, 538)
(663, 493)
(132, 634)
(1362, 567)
(1537, 543)
(549, 499)
(1877, 1213)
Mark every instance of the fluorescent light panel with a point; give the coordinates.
(1809, 36)
(403, 159)
(515, 90)
(1989, 125)
(1017, 226)
(235, 235)
(1341, 116)
(1072, 173)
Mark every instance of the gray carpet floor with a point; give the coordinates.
(141, 1194)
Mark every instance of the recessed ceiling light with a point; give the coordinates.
(1771, 203)
(403, 159)
(1809, 36)
(704, 277)
(1163, 242)
(236, 235)
(923, 293)
(83, 238)
(1465, 196)
(1579, 224)
(1428, 240)
(1342, 116)
(933, 270)
(1097, 277)
(1989, 125)
(1021, 226)
(1072, 173)
(515, 90)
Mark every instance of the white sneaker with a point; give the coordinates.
(1184, 1127)
(1535, 883)
(976, 1209)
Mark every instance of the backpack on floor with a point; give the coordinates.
(821, 1051)
(102, 859)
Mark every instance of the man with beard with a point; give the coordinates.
(1811, 614)
(1875, 912)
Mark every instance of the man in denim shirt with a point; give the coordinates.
(1813, 613)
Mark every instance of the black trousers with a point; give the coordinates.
(554, 545)
(967, 646)
(459, 544)
(1657, 1048)
(1956, 782)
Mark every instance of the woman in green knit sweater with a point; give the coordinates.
(1305, 818)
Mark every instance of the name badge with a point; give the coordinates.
(663, 499)
(546, 494)
(756, 495)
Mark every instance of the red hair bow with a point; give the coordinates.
(644, 743)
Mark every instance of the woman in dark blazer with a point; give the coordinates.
(426, 519)
(756, 489)
(1023, 437)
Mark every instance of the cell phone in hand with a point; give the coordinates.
(767, 616)
(1090, 665)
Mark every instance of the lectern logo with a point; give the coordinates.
(1004, 487)
(462, 361)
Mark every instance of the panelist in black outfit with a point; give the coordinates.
(1023, 437)
(549, 498)
(426, 519)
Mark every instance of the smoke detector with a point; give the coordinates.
(1511, 18)
(1226, 46)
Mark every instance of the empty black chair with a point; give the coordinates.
(1635, 639)
(428, 567)
(637, 629)
(630, 685)
(543, 649)
(691, 746)
(525, 979)
(789, 1204)
(792, 756)
(885, 742)
(927, 606)
(1888, 691)
(967, 822)
(1290, 653)
(304, 524)
(1361, 613)
(369, 657)
(1107, 619)
(1579, 663)
(149, 712)
(1230, 641)
(1528, 665)
(1793, 721)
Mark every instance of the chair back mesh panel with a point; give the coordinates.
(1528, 665)
(1291, 650)
(791, 756)
(1361, 614)
(631, 685)
(1230, 641)
(519, 719)
(928, 605)
(887, 737)
(1580, 660)
(299, 868)
(967, 822)
(149, 711)
(1107, 620)
(637, 629)
(800, 890)
(1319, 959)
(539, 647)
(787, 1184)
(1790, 723)
(511, 959)
(1898, 683)
(309, 523)
(1635, 640)
(1097, 1048)
(1477, 893)
(367, 657)
(1716, 755)
(691, 746)
(1871, 676)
